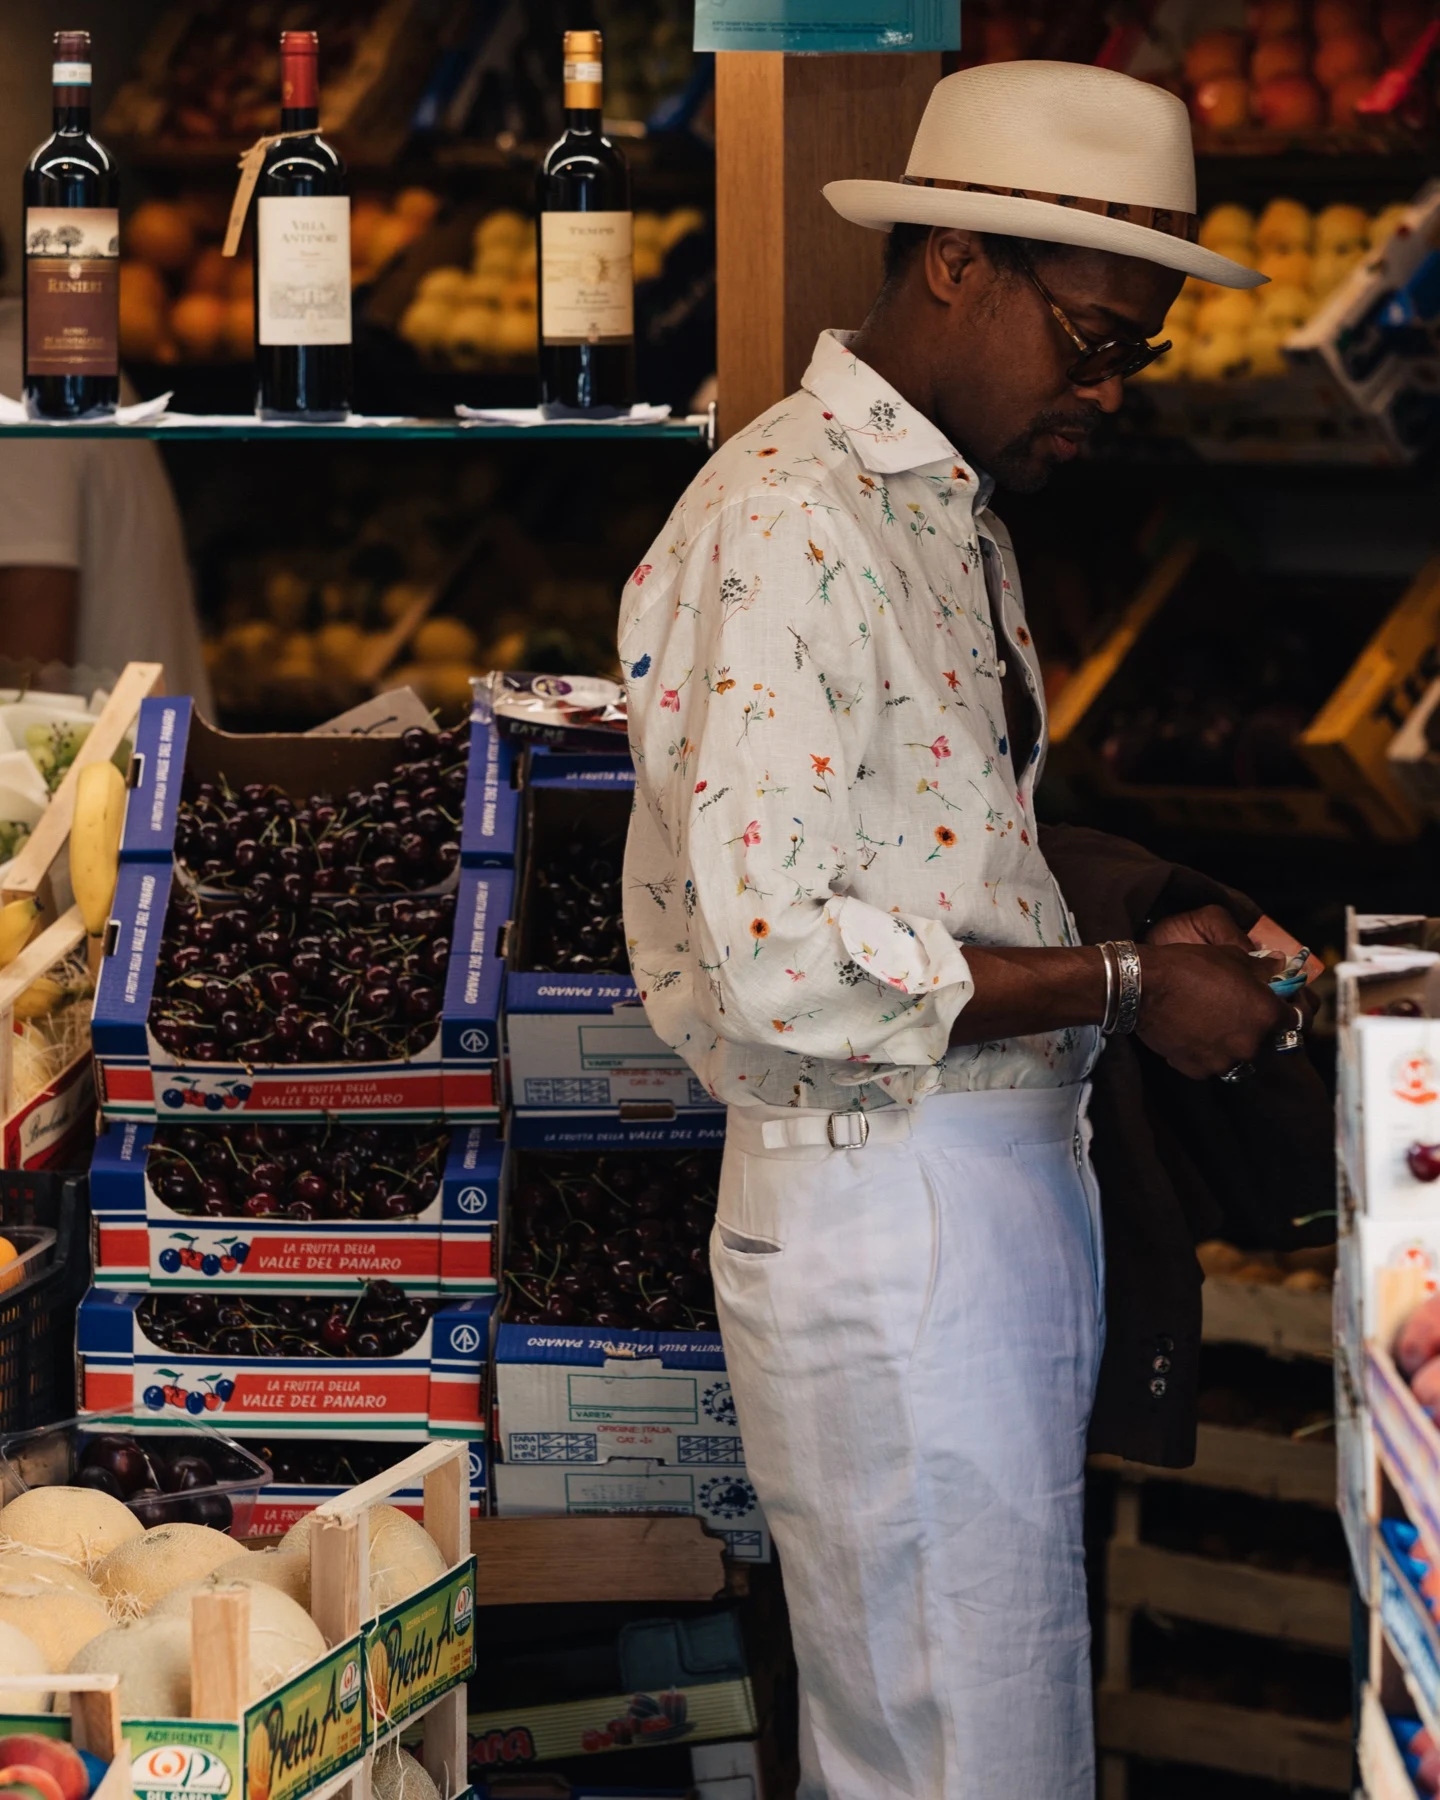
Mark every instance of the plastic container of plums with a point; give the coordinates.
(187, 1474)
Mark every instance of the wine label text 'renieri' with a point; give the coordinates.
(587, 286)
(72, 290)
(304, 270)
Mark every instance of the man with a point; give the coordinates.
(93, 568)
(839, 913)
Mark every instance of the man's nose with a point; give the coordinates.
(1107, 395)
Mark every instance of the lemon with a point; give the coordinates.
(444, 641)
(9, 1254)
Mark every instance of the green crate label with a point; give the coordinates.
(56, 1725)
(420, 1649)
(183, 1759)
(308, 1730)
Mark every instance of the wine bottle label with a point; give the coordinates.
(304, 264)
(72, 290)
(70, 74)
(587, 285)
(585, 71)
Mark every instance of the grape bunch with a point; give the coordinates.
(577, 924)
(396, 836)
(325, 1171)
(322, 1464)
(331, 979)
(161, 1486)
(381, 1321)
(618, 1240)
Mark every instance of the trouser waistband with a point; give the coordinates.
(987, 1115)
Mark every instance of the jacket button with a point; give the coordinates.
(1158, 1386)
(1161, 1365)
(1165, 1345)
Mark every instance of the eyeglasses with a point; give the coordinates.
(1097, 362)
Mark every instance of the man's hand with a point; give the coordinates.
(1206, 1006)
(1214, 925)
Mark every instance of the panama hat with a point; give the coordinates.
(1057, 151)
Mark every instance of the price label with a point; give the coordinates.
(827, 24)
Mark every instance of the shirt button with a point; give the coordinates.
(1161, 1365)
(1165, 1345)
(1000, 668)
(1157, 1387)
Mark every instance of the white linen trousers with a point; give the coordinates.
(913, 1332)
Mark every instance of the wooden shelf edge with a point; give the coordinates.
(552, 1560)
(1267, 1603)
(1164, 1728)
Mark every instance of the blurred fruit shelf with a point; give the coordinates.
(694, 429)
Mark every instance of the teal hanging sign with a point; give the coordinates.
(827, 24)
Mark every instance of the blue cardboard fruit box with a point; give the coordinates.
(282, 1504)
(579, 1042)
(142, 1242)
(720, 1493)
(435, 1388)
(175, 750)
(457, 1073)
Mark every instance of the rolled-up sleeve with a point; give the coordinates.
(753, 695)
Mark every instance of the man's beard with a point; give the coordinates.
(1018, 466)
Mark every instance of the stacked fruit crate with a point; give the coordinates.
(297, 1189)
(610, 1383)
(1387, 1327)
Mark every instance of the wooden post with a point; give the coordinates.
(789, 264)
(447, 1519)
(220, 1653)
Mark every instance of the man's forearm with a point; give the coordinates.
(1020, 993)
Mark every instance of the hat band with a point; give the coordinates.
(1174, 224)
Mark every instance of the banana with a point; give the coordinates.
(100, 797)
(40, 999)
(17, 926)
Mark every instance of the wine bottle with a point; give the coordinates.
(585, 226)
(72, 255)
(302, 254)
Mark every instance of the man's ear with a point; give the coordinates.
(951, 256)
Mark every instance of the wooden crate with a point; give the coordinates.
(1282, 1321)
(1293, 1609)
(1302, 1752)
(1246, 1462)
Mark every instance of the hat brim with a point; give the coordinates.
(881, 204)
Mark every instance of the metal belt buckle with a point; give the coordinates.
(855, 1131)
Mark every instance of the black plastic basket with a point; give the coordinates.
(37, 1325)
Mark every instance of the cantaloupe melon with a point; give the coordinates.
(53, 1616)
(21, 1655)
(140, 1572)
(398, 1776)
(80, 1523)
(403, 1555)
(277, 1568)
(283, 1636)
(152, 1659)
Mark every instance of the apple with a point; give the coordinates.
(1347, 53)
(1290, 103)
(61, 1761)
(1222, 102)
(1289, 55)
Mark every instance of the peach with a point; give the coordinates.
(1345, 98)
(1288, 55)
(1425, 1385)
(1347, 53)
(1215, 53)
(1419, 1341)
(1222, 102)
(53, 1755)
(1290, 103)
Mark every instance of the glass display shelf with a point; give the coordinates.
(697, 429)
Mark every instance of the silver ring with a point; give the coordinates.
(1240, 1071)
(1288, 1041)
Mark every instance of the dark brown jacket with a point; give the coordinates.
(1179, 1161)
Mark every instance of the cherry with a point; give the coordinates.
(1424, 1161)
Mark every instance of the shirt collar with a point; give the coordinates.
(887, 433)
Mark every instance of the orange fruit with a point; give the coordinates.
(161, 235)
(1347, 53)
(1290, 103)
(1222, 102)
(197, 321)
(1288, 55)
(1215, 53)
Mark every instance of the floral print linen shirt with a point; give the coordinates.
(826, 810)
